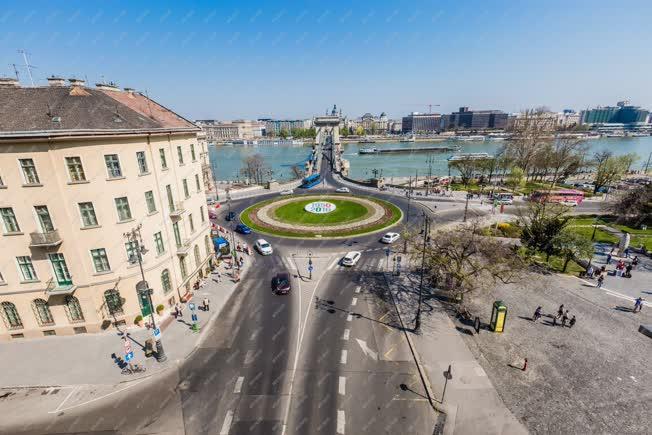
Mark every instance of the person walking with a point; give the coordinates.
(590, 271)
(218, 275)
(537, 314)
(206, 304)
(560, 311)
(572, 322)
(564, 318)
(609, 258)
(638, 304)
(635, 261)
(628, 271)
(177, 308)
(600, 281)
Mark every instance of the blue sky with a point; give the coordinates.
(249, 59)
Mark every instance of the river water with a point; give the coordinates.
(226, 160)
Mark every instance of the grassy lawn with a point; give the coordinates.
(584, 227)
(345, 211)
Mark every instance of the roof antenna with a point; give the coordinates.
(151, 115)
(15, 70)
(28, 66)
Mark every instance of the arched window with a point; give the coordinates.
(207, 242)
(113, 302)
(165, 281)
(42, 311)
(197, 258)
(11, 316)
(75, 313)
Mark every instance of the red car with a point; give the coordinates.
(281, 283)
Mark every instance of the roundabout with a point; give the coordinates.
(321, 216)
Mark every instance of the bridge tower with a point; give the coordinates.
(328, 138)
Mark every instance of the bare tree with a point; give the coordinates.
(610, 168)
(531, 131)
(255, 168)
(565, 157)
(467, 168)
(634, 206)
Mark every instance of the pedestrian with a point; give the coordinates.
(219, 276)
(572, 322)
(524, 365)
(628, 271)
(590, 271)
(537, 314)
(627, 252)
(638, 304)
(635, 261)
(206, 304)
(560, 311)
(609, 258)
(554, 320)
(177, 307)
(600, 280)
(564, 318)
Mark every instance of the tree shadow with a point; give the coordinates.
(466, 331)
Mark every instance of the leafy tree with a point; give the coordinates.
(255, 168)
(344, 131)
(359, 130)
(467, 169)
(516, 178)
(527, 138)
(572, 246)
(283, 134)
(541, 223)
(634, 206)
(610, 168)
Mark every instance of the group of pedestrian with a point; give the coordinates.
(562, 315)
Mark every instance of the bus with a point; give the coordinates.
(311, 181)
(570, 196)
(503, 197)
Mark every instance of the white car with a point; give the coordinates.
(390, 238)
(287, 192)
(569, 203)
(343, 190)
(263, 247)
(351, 258)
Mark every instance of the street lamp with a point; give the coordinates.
(142, 288)
(310, 265)
(426, 238)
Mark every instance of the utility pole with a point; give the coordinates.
(466, 206)
(430, 161)
(426, 238)
(134, 237)
(407, 218)
(647, 165)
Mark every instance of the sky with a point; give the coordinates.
(251, 59)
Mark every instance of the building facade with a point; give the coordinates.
(80, 168)
(421, 123)
(622, 113)
(466, 119)
(273, 127)
(220, 131)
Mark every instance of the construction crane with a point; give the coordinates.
(429, 105)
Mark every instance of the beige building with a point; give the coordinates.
(79, 168)
(217, 131)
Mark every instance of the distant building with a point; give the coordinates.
(275, 126)
(421, 123)
(228, 130)
(372, 124)
(545, 121)
(466, 119)
(622, 113)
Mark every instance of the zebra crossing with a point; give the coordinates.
(369, 263)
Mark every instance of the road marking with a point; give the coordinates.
(340, 421)
(389, 352)
(341, 387)
(349, 317)
(226, 426)
(357, 289)
(238, 385)
(67, 397)
(383, 316)
(333, 263)
(344, 356)
(346, 334)
(612, 292)
(365, 348)
(133, 384)
(354, 302)
(380, 263)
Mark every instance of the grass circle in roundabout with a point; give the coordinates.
(352, 215)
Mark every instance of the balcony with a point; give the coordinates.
(177, 209)
(45, 239)
(56, 287)
(183, 247)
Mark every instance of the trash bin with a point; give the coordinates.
(498, 315)
(149, 347)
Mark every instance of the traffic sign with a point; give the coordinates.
(193, 317)
(127, 347)
(157, 334)
(191, 306)
(129, 356)
(310, 268)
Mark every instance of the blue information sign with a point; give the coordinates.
(129, 356)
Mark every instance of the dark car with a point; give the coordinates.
(243, 229)
(281, 283)
(230, 216)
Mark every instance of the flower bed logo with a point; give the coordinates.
(319, 207)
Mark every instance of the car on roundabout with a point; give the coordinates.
(263, 247)
(351, 258)
(242, 229)
(286, 192)
(390, 238)
(230, 216)
(281, 284)
(343, 190)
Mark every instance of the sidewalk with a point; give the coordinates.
(92, 358)
(471, 401)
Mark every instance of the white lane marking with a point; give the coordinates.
(380, 263)
(340, 421)
(341, 387)
(357, 289)
(354, 302)
(101, 397)
(66, 399)
(226, 426)
(333, 263)
(613, 293)
(238, 385)
(349, 317)
(344, 356)
(347, 332)
(290, 262)
(365, 348)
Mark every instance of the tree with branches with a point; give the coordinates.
(634, 206)
(255, 169)
(541, 224)
(610, 168)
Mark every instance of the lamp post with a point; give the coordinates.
(134, 237)
(426, 238)
(310, 265)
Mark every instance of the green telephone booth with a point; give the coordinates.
(498, 315)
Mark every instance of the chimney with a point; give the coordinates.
(77, 82)
(56, 82)
(130, 90)
(9, 82)
(107, 86)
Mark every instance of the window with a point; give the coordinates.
(201, 213)
(168, 191)
(177, 234)
(142, 162)
(164, 162)
(2, 183)
(132, 252)
(29, 171)
(113, 302)
(2, 278)
(11, 316)
(9, 220)
(197, 257)
(182, 266)
(186, 192)
(75, 169)
(165, 281)
(197, 182)
(26, 268)
(158, 241)
(87, 212)
(44, 218)
(151, 204)
(100, 260)
(60, 268)
(122, 206)
(113, 166)
(73, 309)
(192, 223)
(43, 313)
(207, 242)
(192, 152)
(180, 155)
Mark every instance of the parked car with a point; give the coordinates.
(343, 190)
(210, 201)
(390, 238)
(286, 192)
(351, 258)
(263, 247)
(569, 203)
(230, 216)
(242, 229)
(281, 284)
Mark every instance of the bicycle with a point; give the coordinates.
(135, 368)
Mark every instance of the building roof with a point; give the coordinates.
(77, 110)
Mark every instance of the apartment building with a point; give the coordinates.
(79, 168)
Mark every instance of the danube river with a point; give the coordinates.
(227, 160)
